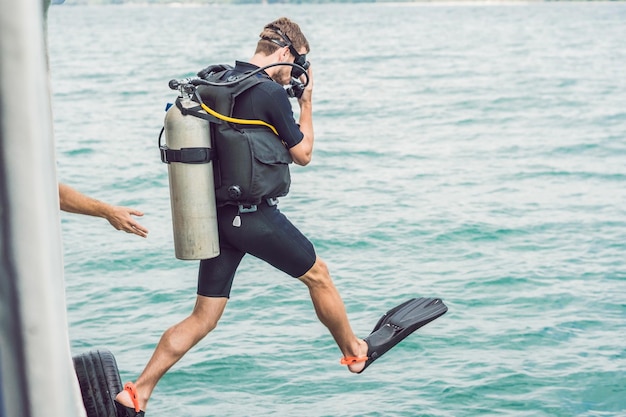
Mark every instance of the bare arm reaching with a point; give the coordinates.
(73, 201)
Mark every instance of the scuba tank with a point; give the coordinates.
(188, 153)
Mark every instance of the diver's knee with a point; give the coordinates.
(320, 268)
(199, 329)
(204, 323)
(207, 313)
(317, 275)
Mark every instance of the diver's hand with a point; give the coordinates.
(307, 95)
(303, 152)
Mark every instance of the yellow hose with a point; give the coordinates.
(235, 120)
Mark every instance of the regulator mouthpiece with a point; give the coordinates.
(295, 89)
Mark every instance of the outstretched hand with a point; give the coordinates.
(120, 218)
(73, 201)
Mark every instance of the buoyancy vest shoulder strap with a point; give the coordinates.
(231, 92)
(219, 100)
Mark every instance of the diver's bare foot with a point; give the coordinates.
(360, 353)
(125, 397)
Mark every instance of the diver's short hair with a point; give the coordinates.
(280, 32)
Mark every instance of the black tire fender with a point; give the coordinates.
(99, 380)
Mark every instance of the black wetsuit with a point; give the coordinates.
(265, 233)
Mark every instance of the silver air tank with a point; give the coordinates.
(192, 191)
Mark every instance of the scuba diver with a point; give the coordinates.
(249, 221)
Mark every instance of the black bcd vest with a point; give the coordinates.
(252, 162)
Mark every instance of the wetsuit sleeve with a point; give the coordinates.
(278, 112)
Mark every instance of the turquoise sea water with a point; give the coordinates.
(474, 152)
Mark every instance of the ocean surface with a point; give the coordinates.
(470, 151)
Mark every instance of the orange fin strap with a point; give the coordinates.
(351, 360)
(130, 387)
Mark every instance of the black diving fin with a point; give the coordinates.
(399, 322)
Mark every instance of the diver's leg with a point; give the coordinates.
(174, 343)
(332, 312)
(269, 235)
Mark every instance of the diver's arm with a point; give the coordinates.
(73, 201)
(303, 151)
